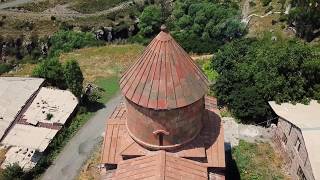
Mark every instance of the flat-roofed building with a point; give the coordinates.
(15, 93)
(36, 126)
(297, 137)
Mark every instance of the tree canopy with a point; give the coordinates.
(305, 15)
(255, 71)
(198, 25)
(73, 76)
(202, 26)
(65, 41)
(52, 71)
(150, 21)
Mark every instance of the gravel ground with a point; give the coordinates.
(233, 132)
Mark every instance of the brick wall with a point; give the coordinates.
(182, 124)
(285, 138)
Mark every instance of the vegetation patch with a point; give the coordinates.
(255, 71)
(106, 61)
(109, 87)
(257, 161)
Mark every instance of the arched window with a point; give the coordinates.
(160, 134)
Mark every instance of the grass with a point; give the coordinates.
(14, 25)
(25, 70)
(109, 85)
(258, 161)
(104, 62)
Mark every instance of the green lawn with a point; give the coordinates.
(110, 87)
(257, 161)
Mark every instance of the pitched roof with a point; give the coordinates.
(208, 146)
(164, 77)
(159, 166)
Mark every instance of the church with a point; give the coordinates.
(166, 126)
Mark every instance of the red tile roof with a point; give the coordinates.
(208, 146)
(164, 77)
(160, 166)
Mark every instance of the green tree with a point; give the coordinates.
(73, 77)
(65, 41)
(150, 21)
(255, 71)
(305, 16)
(52, 71)
(12, 172)
(202, 26)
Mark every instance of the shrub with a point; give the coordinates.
(5, 68)
(252, 4)
(53, 18)
(49, 116)
(265, 2)
(52, 71)
(65, 41)
(12, 172)
(269, 8)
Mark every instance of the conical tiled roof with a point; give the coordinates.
(164, 77)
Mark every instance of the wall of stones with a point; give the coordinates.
(285, 137)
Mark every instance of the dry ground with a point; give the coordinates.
(106, 61)
(90, 169)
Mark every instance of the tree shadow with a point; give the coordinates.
(232, 170)
(94, 106)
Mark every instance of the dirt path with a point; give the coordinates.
(13, 3)
(68, 163)
(60, 11)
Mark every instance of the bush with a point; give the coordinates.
(65, 41)
(269, 8)
(265, 2)
(5, 68)
(12, 172)
(53, 18)
(252, 4)
(49, 116)
(52, 71)
(283, 18)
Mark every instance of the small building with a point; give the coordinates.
(37, 117)
(15, 94)
(166, 128)
(297, 137)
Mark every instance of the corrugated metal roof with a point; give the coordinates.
(164, 77)
(160, 166)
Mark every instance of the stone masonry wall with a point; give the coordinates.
(182, 124)
(285, 137)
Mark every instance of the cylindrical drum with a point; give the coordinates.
(164, 129)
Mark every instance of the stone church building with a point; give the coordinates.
(166, 127)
